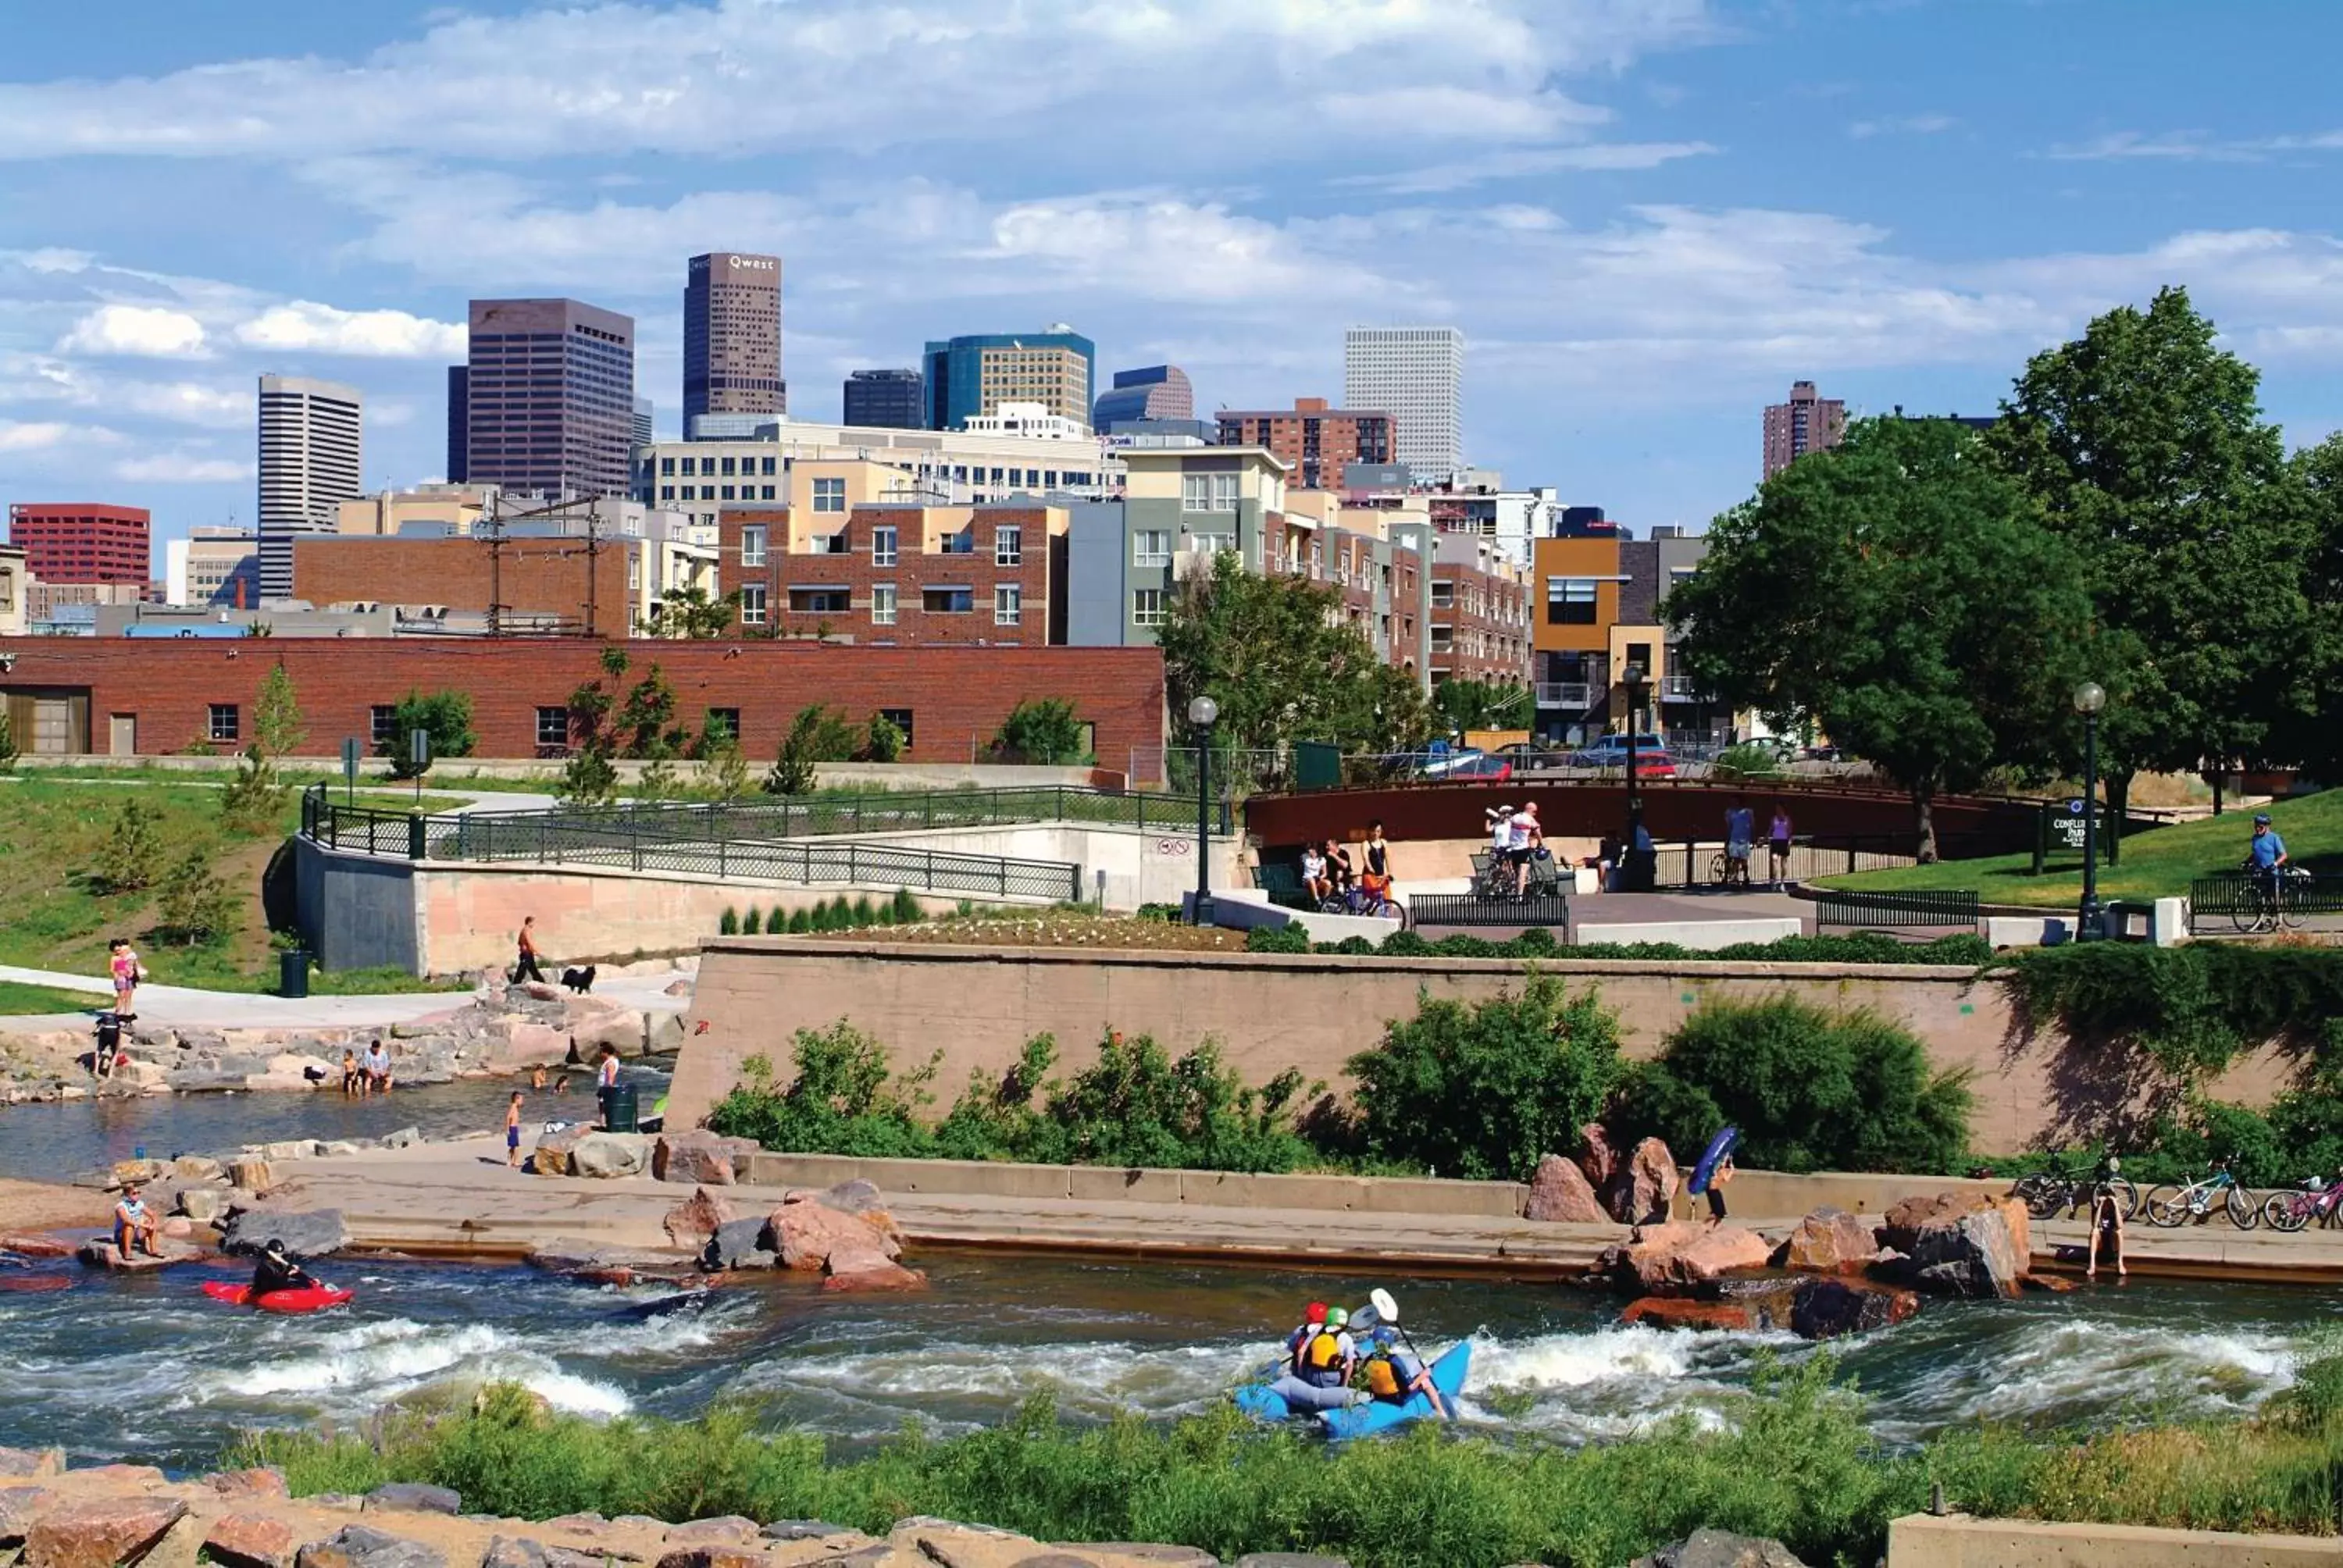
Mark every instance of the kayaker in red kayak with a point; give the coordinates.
(278, 1272)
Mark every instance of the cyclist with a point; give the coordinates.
(2265, 855)
(1523, 843)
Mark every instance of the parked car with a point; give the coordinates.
(1480, 765)
(1529, 756)
(1652, 758)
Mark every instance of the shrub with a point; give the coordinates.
(1746, 760)
(130, 858)
(753, 922)
(863, 913)
(1042, 729)
(1483, 1091)
(1810, 1090)
(2191, 1008)
(195, 903)
(1277, 939)
(800, 922)
(776, 922)
(908, 911)
(843, 1100)
(728, 924)
(817, 734)
(883, 741)
(8, 752)
(445, 716)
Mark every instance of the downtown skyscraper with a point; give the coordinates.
(310, 434)
(732, 337)
(1415, 375)
(548, 397)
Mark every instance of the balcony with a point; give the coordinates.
(1681, 688)
(1571, 695)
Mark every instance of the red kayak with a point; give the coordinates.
(315, 1298)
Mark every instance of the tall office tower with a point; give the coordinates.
(886, 399)
(1415, 375)
(459, 421)
(82, 541)
(550, 397)
(309, 452)
(642, 427)
(975, 374)
(732, 336)
(1156, 392)
(1806, 423)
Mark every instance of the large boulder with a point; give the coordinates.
(100, 1253)
(696, 1156)
(305, 1233)
(1827, 1307)
(251, 1174)
(807, 1231)
(414, 1497)
(607, 1155)
(552, 1156)
(1559, 1191)
(1644, 1185)
(742, 1244)
(1597, 1158)
(1721, 1549)
(251, 1540)
(1958, 1245)
(1669, 1258)
(100, 1532)
(691, 1223)
(1812, 1306)
(359, 1547)
(1684, 1313)
(31, 1462)
(19, 1506)
(868, 1268)
(1829, 1242)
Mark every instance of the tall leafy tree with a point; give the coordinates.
(2145, 447)
(1275, 653)
(1898, 589)
(2317, 736)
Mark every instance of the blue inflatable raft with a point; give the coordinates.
(1448, 1371)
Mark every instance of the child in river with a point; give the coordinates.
(512, 1131)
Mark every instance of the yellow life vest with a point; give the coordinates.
(1323, 1352)
(1382, 1380)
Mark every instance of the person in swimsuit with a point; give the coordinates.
(512, 1130)
(135, 1229)
(606, 1079)
(1375, 877)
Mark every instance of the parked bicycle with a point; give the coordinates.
(1355, 899)
(2291, 1209)
(2172, 1207)
(2061, 1188)
(2272, 900)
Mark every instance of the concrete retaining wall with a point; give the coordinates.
(1314, 1012)
(1921, 1540)
(1154, 867)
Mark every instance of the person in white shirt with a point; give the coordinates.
(1314, 872)
(1527, 837)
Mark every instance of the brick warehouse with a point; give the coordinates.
(155, 698)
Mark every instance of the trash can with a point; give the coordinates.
(618, 1110)
(293, 973)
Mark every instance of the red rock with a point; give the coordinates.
(1664, 1260)
(804, 1233)
(32, 1462)
(1682, 1312)
(104, 1533)
(1596, 1158)
(1644, 1185)
(257, 1482)
(35, 1246)
(251, 1540)
(1559, 1192)
(19, 1505)
(725, 1555)
(2051, 1283)
(1830, 1241)
(868, 1268)
(1832, 1306)
(1962, 1246)
(33, 1285)
(691, 1223)
(702, 1157)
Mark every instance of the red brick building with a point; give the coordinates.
(133, 697)
(82, 541)
(1480, 613)
(1315, 440)
(583, 587)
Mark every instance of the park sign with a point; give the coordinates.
(2064, 830)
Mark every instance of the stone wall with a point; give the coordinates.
(1270, 1011)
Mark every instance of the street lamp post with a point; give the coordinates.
(1633, 678)
(1201, 714)
(2089, 697)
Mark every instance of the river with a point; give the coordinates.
(147, 1367)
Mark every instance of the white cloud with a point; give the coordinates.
(50, 435)
(152, 331)
(182, 468)
(1907, 125)
(2193, 146)
(305, 325)
(1527, 164)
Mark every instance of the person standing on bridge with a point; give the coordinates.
(527, 967)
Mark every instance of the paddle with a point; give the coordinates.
(1387, 1311)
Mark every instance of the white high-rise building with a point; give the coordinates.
(1415, 375)
(310, 455)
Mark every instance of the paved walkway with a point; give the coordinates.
(185, 1005)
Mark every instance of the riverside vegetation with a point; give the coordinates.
(1795, 1461)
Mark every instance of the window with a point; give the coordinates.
(1147, 607)
(1007, 604)
(382, 722)
(667, 467)
(1213, 543)
(708, 492)
(634, 572)
(1008, 545)
(1150, 547)
(727, 719)
(666, 492)
(767, 468)
(900, 717)
(882, 546)
(222, 721)
(727, 492)
(819, 601)
(767, 494)
(1444, 596)
(829, 494)
(1570, 601)
(883, 603)
(553, 727)
(727, 468)
(691, 466)
(752, 604)
(1208, 492)
(946, 600)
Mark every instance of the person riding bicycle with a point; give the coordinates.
(2266, 854)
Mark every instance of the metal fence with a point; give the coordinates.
(1896, 911)
(2241, 901)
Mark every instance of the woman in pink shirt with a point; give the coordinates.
(123, 964)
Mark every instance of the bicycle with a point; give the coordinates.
(1728, 870)
(2271, 900)
(2172, 1207)
(1355, 899)
(2290, 1209)
(2061, 1190)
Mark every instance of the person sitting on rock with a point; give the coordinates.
(1393, 1375)
(135, 1225)
(1320, 1377)
(279, 1271)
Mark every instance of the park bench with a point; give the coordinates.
(1282, 883)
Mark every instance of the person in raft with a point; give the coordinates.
(277, 1271)
(135, 1225)
(1392, 1374)
(1313, 1318)
(1318, 1376)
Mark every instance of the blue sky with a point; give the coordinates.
(1648, 216)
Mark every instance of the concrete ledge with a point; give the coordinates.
(1777, 1195)
(1957, 1540)
(1704, 935)
(1242, 908)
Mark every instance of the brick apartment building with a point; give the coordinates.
(1479, 612)
(83, 541)
(897, 575)
(1314, 441)
(1605, 600)
(134, 697)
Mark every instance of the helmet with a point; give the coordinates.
(275, 1249)
(2261, 818)
(1315, 1313)
(1336, 1317)
(2114, 1165)
(1387, 1335)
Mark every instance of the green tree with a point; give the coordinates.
(278, 728)
(2145, 449)
(817, 734)
(1461, 705)
(692, 614)
(1276, 654)
(126, 862)
(254, 797)
(1042, 729)
(590, 778)
(195, 902)
(2316, 736)
(8, 752)
(646, 725)
(884, 740)
(1899, 590)
(445, 716)
(724, 773)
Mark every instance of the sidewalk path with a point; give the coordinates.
(185, 1005)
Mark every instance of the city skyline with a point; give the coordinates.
(1596, 204)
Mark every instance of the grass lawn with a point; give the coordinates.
(2158, 863)
(18, 1001)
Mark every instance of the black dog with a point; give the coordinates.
(580, 980)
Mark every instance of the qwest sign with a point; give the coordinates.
(752, 263)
